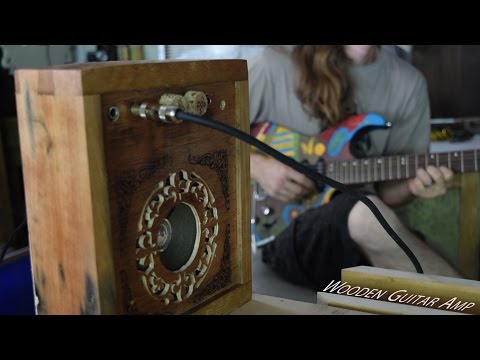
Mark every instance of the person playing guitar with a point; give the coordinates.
(310, 89)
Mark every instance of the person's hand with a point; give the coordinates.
(430, 182)
(279, 180)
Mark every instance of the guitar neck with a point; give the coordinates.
(397, 167)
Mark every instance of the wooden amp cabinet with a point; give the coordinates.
(104, 188)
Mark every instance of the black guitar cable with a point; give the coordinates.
(171, 114)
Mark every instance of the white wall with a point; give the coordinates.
(212, 51)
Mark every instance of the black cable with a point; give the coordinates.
(9, 242)
(318, 177)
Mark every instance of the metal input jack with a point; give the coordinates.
(164, 113)
(145, 111)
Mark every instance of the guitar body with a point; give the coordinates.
(271, 216)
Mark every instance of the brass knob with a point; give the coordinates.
(197, 102)
(175, 100)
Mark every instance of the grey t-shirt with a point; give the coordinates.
(389, 86)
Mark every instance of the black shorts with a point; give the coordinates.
(314, 249)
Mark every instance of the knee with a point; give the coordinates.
(363, 225)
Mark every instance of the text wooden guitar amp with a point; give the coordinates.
(127, 215)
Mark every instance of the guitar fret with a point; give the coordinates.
(359, 171)
(358, 174)
(382, 169)
(397, 170)
(449, 160)
(371, 171)
(353, 175)
(398, 167)
(355, 167)
(347, 173)
(438, 164)
(367, 163)
(369, 179)
(367, 171)
(443, 159)
(362, 173)
(461, 156)
(351, 171)
(348, 177)
(408, 167)
(475, 160)
(389, 168)
(337, 171)
(366, 167)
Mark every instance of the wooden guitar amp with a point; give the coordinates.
(127, 215)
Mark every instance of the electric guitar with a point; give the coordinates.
(330, 153)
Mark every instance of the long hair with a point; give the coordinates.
(323, 84)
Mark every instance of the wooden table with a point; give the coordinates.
(269, 305)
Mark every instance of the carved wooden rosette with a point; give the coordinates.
(176, 285)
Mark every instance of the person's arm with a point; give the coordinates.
(279, 180)
(394, 193)
(430, 182)
(276, 179)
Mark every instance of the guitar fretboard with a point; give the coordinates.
(397, 167)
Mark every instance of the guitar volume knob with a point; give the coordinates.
(266, 210)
